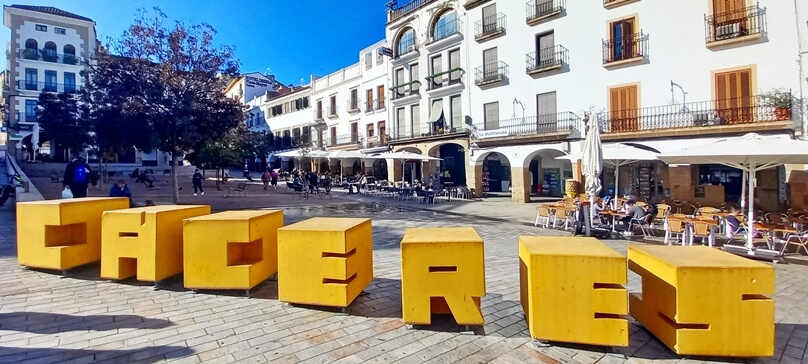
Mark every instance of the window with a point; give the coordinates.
(623, 108)
(354, 99)
(305, 102)
(369, 100)
(491, 116)
(436, 63)
(402, 127)
(437, 120)
(368, 60)
(69, 56)
(332, 110)
(319, 109)
(31, 49)
(380, 94)
(354, 132)
(490, 19)
(733, 93)
(30, 110)
(490, 63)
(382, 132)
(414, 77)
(406, 43)
(31, 79)
(379, 56)
(622, 39)
(445, 26)
(456, 112)
(49, 53)
(399, 80)
(50, 81)
(545, 49)
(454, 64)
(61, 31)
(333, 132)
(369, 130)
(546, 110)
(41, 28)
(415, 116)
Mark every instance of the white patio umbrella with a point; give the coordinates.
(346, 154)
(35, 141)
(592, 166)
(749, 153)
(618, 155)
(405, 156)
(299, 153)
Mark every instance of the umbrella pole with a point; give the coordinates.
(750, 223)
(743, 189)
(616, 184)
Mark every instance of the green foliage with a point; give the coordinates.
(777, 98)
(62, 121)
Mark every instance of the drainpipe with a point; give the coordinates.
(800, 54)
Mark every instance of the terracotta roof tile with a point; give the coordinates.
(52, 10)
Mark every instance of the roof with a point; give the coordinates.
(52, 11)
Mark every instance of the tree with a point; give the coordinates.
(61, 121)
(170, 80)
(232, 149)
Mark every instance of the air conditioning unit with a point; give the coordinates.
(728, 31)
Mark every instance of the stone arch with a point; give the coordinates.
(411, 150)
(542, 168)
(404, 35)
(496, 172)
(434, 23)
(454, 159)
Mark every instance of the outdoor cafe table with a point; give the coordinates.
(614, 215)
(770, 232)
(690, 232)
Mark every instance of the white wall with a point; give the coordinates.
(374, 74)
(677, 53)
(339, 84)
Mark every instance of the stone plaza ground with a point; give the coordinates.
(45, 318)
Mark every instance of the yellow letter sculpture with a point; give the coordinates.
(146, 241)
(62, 234)
(325, 261)
(442, 272)
(232, 249)
(571, 290)
(702, 301)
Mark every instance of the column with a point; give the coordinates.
(520, 188)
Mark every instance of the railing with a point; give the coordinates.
(737, 111)
(434, 133)
(734, 24)
(398, 12)
(47, 86)
(353, 104)
(439, 80)
(536, 125)
(445, 30)
(627, 47)
(490, 26)
(369, 107)
(537, 9)
(380, 103)
(344, 139)
(490, 73)
(406, 47)
(547, 58)
(318, 114)
(406, 89)
(47, 56)
(25, 118)
(332, 111)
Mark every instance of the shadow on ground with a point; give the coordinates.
(49, 323)
(152, 354)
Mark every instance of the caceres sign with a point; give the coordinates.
(373, 139)
(256, 82)
(483, 134)
(386, 52)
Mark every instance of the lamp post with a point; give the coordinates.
(320, 127)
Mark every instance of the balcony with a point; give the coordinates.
(610, 4)
(47, 56)
(406, 90)
(380, 105)
(629, 49)
(369, 107)
(471, 4)
(398, 12)
(490, 27)
(545, 127)
(738, 115)
(47, 86)
(318, 115)
(447, 133)
(490, 74)
(540, 10)
(341, 140)
(734, 26)
(443, 79)
(353, 106)
(547, 60)
(405, 51)
(333, 112)
(444, 31)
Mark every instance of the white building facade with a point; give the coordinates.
(248, 86)
(337, 110)
(373, 97)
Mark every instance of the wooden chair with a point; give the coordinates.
(662, 212)
(674, 227)
(543, 216)
(701, 229)
(240, 188)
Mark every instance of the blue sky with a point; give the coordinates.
(293, 38)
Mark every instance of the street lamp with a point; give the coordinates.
(320, 128)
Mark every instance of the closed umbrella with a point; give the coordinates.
(35, 141)
(592, 166)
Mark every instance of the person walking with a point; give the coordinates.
(274, 179)
(197, 181)
(78, 176)
(265, 179)
(120, 189)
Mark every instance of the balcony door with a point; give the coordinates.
(730, 18)
(491, 116)
(399, 81)
(734, 96)
(545, 49)
(490, 19)
(547, 112)
(623, 109)
(490, 63)
(622, 39)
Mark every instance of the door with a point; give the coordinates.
(734, 96)
(490, 19)
(545, 50)
(623, 107)
(399, 82)
(623, 39)
(547, 121)
(490, 63)
(730, 17)
(491, 116)
(369, 100)
(414, 75)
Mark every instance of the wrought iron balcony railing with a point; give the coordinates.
(490, 73)
(541, 9)
(624, 48)
(546, 59)
(490, 26)
(380, 103)
(352, 105)
(47, 86)
(47, 56)
(458, 131)
(398, 12)
(734, 24)
(727, 112)
(345, 139)
(562, 122)
(445, 30)
(445, 78)
(406, 89)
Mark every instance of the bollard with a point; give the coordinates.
(26, 185)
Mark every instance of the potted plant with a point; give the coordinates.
(780, 101)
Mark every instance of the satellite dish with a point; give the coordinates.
(391, 4)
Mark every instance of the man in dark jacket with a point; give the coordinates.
(120, 189)
(78, 176)
(197, 181)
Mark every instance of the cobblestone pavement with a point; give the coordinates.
(80, 319)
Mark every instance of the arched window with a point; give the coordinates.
(406, 42)
(49, 53)
(69, 56)
(31, 49)
(445, 25)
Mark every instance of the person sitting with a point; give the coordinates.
(120, 189)
(634, 213)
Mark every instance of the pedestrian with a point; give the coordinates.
(273, 175)
(120, 189)
(78, 176)
(197, 181)
(265, 179)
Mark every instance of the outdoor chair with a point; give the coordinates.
(543, 216)
(240, 188)
(290, 186)
(662, 212)
(300, 191)
(776, 218)
(674, 228)
(645, 224)
(568, 215)
(702, 229)
(799, 239)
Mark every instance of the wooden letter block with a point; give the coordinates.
(232, 249)
(62, 234)
(145, 241)
(702, 301)
(324, 261)
(442, 272)
(572, 290)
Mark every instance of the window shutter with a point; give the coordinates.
(305, 102)
(614, 98)
(745, 81)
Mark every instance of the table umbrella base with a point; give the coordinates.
(758, 253)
